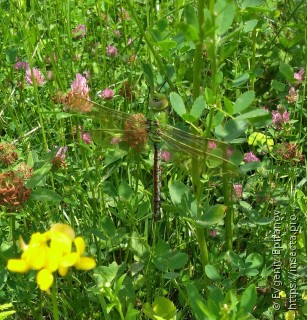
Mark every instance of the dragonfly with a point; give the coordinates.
(136, 130)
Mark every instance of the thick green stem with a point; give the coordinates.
(54, 297)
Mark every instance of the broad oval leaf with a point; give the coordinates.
(225, 11)
(164, 308)
(287, 71)
(177, 103)
(233, 129)
(198, 107)
(248, 299)
(244, 101)
(255, 259)
(212, 216)
(240, 80)
(212, 273)
(253, 114)
(176, 190)
(178, 260)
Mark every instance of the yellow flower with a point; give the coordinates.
(304, 295)
(290, 315)
(52, 251)
(282, 294)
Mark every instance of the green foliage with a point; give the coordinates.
(232, 73)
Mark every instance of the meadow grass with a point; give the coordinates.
(227, 245)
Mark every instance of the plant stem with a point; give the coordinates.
(55, 309)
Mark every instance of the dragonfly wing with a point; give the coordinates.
(118, 127)
(211, 151)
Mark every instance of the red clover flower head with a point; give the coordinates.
(250, 157)
(86, 137)
(21, 65)
(299, 76)
(111, 51)
(37, 77)
(77, 99)
(79, 86)
(238, 190)
(280, 117)
(107, 94)
(79, 32)
(165, 155)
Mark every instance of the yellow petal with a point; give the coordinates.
(44, 279)
(62, 271)
(80, 245)
(36, 257)
(64, 228)
(85, 263)
(290, 315)
(60, 244)
(69, 260)
(51, 262)
(17, 265)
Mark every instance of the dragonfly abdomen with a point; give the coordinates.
(157, 180)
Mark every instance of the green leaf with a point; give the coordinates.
(198, 107)
(212, 273)
(148, 73)
(225, 11)
(190, 27)
(241, 80)
(177, 103)
(11, 55)
(253, 114)
(124, 190)
(212, 216)
(228, 105)
(251, 3)
(178, 260)
(287, 71)
(188, 118)
(233, 129)
(167, 44)
(108, 227)
(162, 308)
(248, 299)
(38, 175)
(244, 101)
(250, 25)
(45, 195)
(176, 190)
(301, 200)
(106, 274)
(251, 166)
(198, 304)
(62, 115)
(277, 85)
(255, 259)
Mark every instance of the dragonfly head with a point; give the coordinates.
(158, 102)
